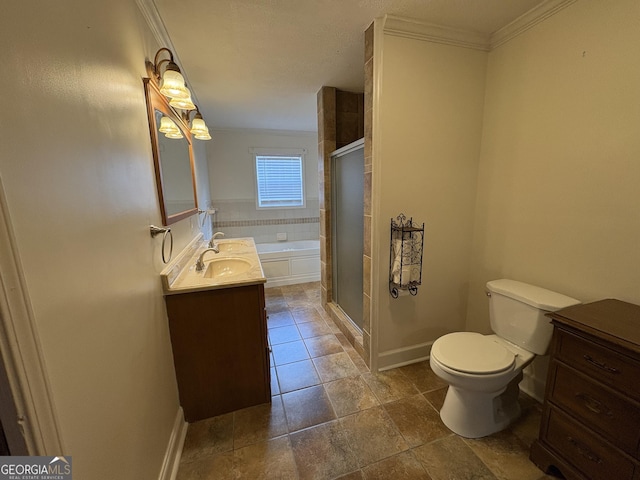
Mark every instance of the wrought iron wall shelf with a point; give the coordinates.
(405, 256)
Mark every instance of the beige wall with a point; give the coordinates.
(558, 202)
(75, 159)
(426, 145)
(534, 177)
(231, 169)
(233, 185)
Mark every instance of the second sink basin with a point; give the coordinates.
(232, 245)
(226, 267)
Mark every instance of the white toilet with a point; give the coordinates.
(483, 371)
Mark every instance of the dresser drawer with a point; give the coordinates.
(608, 366)
(612, 415)
(587, 452)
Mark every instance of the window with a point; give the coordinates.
(279, 180)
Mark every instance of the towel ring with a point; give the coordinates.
(165, 231)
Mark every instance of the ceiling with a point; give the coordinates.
(258, 64)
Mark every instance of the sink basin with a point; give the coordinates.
(232, 245)
(227, 267)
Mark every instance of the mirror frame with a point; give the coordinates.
(157, 101)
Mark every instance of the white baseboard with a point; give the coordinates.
(534, 378)
(173, 453)
(404, 356)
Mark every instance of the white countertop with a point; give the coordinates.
(240, 251)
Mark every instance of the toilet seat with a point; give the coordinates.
(471, 352)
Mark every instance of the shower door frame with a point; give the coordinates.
(352, 147)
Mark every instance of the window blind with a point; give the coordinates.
(279, 180)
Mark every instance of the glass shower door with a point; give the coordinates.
(347, 226)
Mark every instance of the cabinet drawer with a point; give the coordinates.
(589, 453)
(608, 366)
(614, 416)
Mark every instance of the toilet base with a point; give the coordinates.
(478, 414)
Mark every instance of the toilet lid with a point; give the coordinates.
(471, 352)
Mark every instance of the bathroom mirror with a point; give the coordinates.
(172, 158)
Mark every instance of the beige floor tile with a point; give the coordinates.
(259, 423)
(280, 319)
(417, 420)
(372, 435)
(323, 345)
(266, 461)
(403, 466)
(297, 375)
(527, 427)
(288, 333)
(357, 360)
(289, 352)
(436, 397)
(304, 315)
(357, 475)
(315, 328)
(208, 437)
(218, 467)
(322, 452)
(335, 366)
(371, 431)
(275, 387)
(451, 458)
(422, 376)
(350, 395)
(307, 407)
(506, 456)
(390, 386)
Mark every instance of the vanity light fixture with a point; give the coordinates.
(183, 103)
(171, 82)
(167, 125)
(199, 129)
(169, 128)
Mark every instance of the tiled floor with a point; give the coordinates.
(331, 418)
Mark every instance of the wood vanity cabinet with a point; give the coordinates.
(220, 349)
(591, 416)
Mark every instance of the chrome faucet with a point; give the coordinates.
(200, 261)
(212, 243)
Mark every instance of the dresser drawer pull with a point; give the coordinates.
(584, 451)
(594, 405)
(601, 365)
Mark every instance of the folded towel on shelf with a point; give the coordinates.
(396, 263)
(402, 270)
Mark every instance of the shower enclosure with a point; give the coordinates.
(347, 224)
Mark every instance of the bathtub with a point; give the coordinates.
(286, 263)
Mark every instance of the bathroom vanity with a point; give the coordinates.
(591, 419)
(218, 326)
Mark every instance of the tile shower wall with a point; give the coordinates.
(240, 218)
(341, 121)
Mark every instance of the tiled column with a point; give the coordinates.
(340, 122)
(326, 145)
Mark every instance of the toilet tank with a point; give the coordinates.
(517, 312)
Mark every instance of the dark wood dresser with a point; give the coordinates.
(591, 418)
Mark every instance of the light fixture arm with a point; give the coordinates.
(157, 64)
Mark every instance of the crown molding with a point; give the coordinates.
(156, 25)
(152, 16)
(430, 32)
(528, 20)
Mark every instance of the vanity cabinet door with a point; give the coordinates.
(219, 342)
